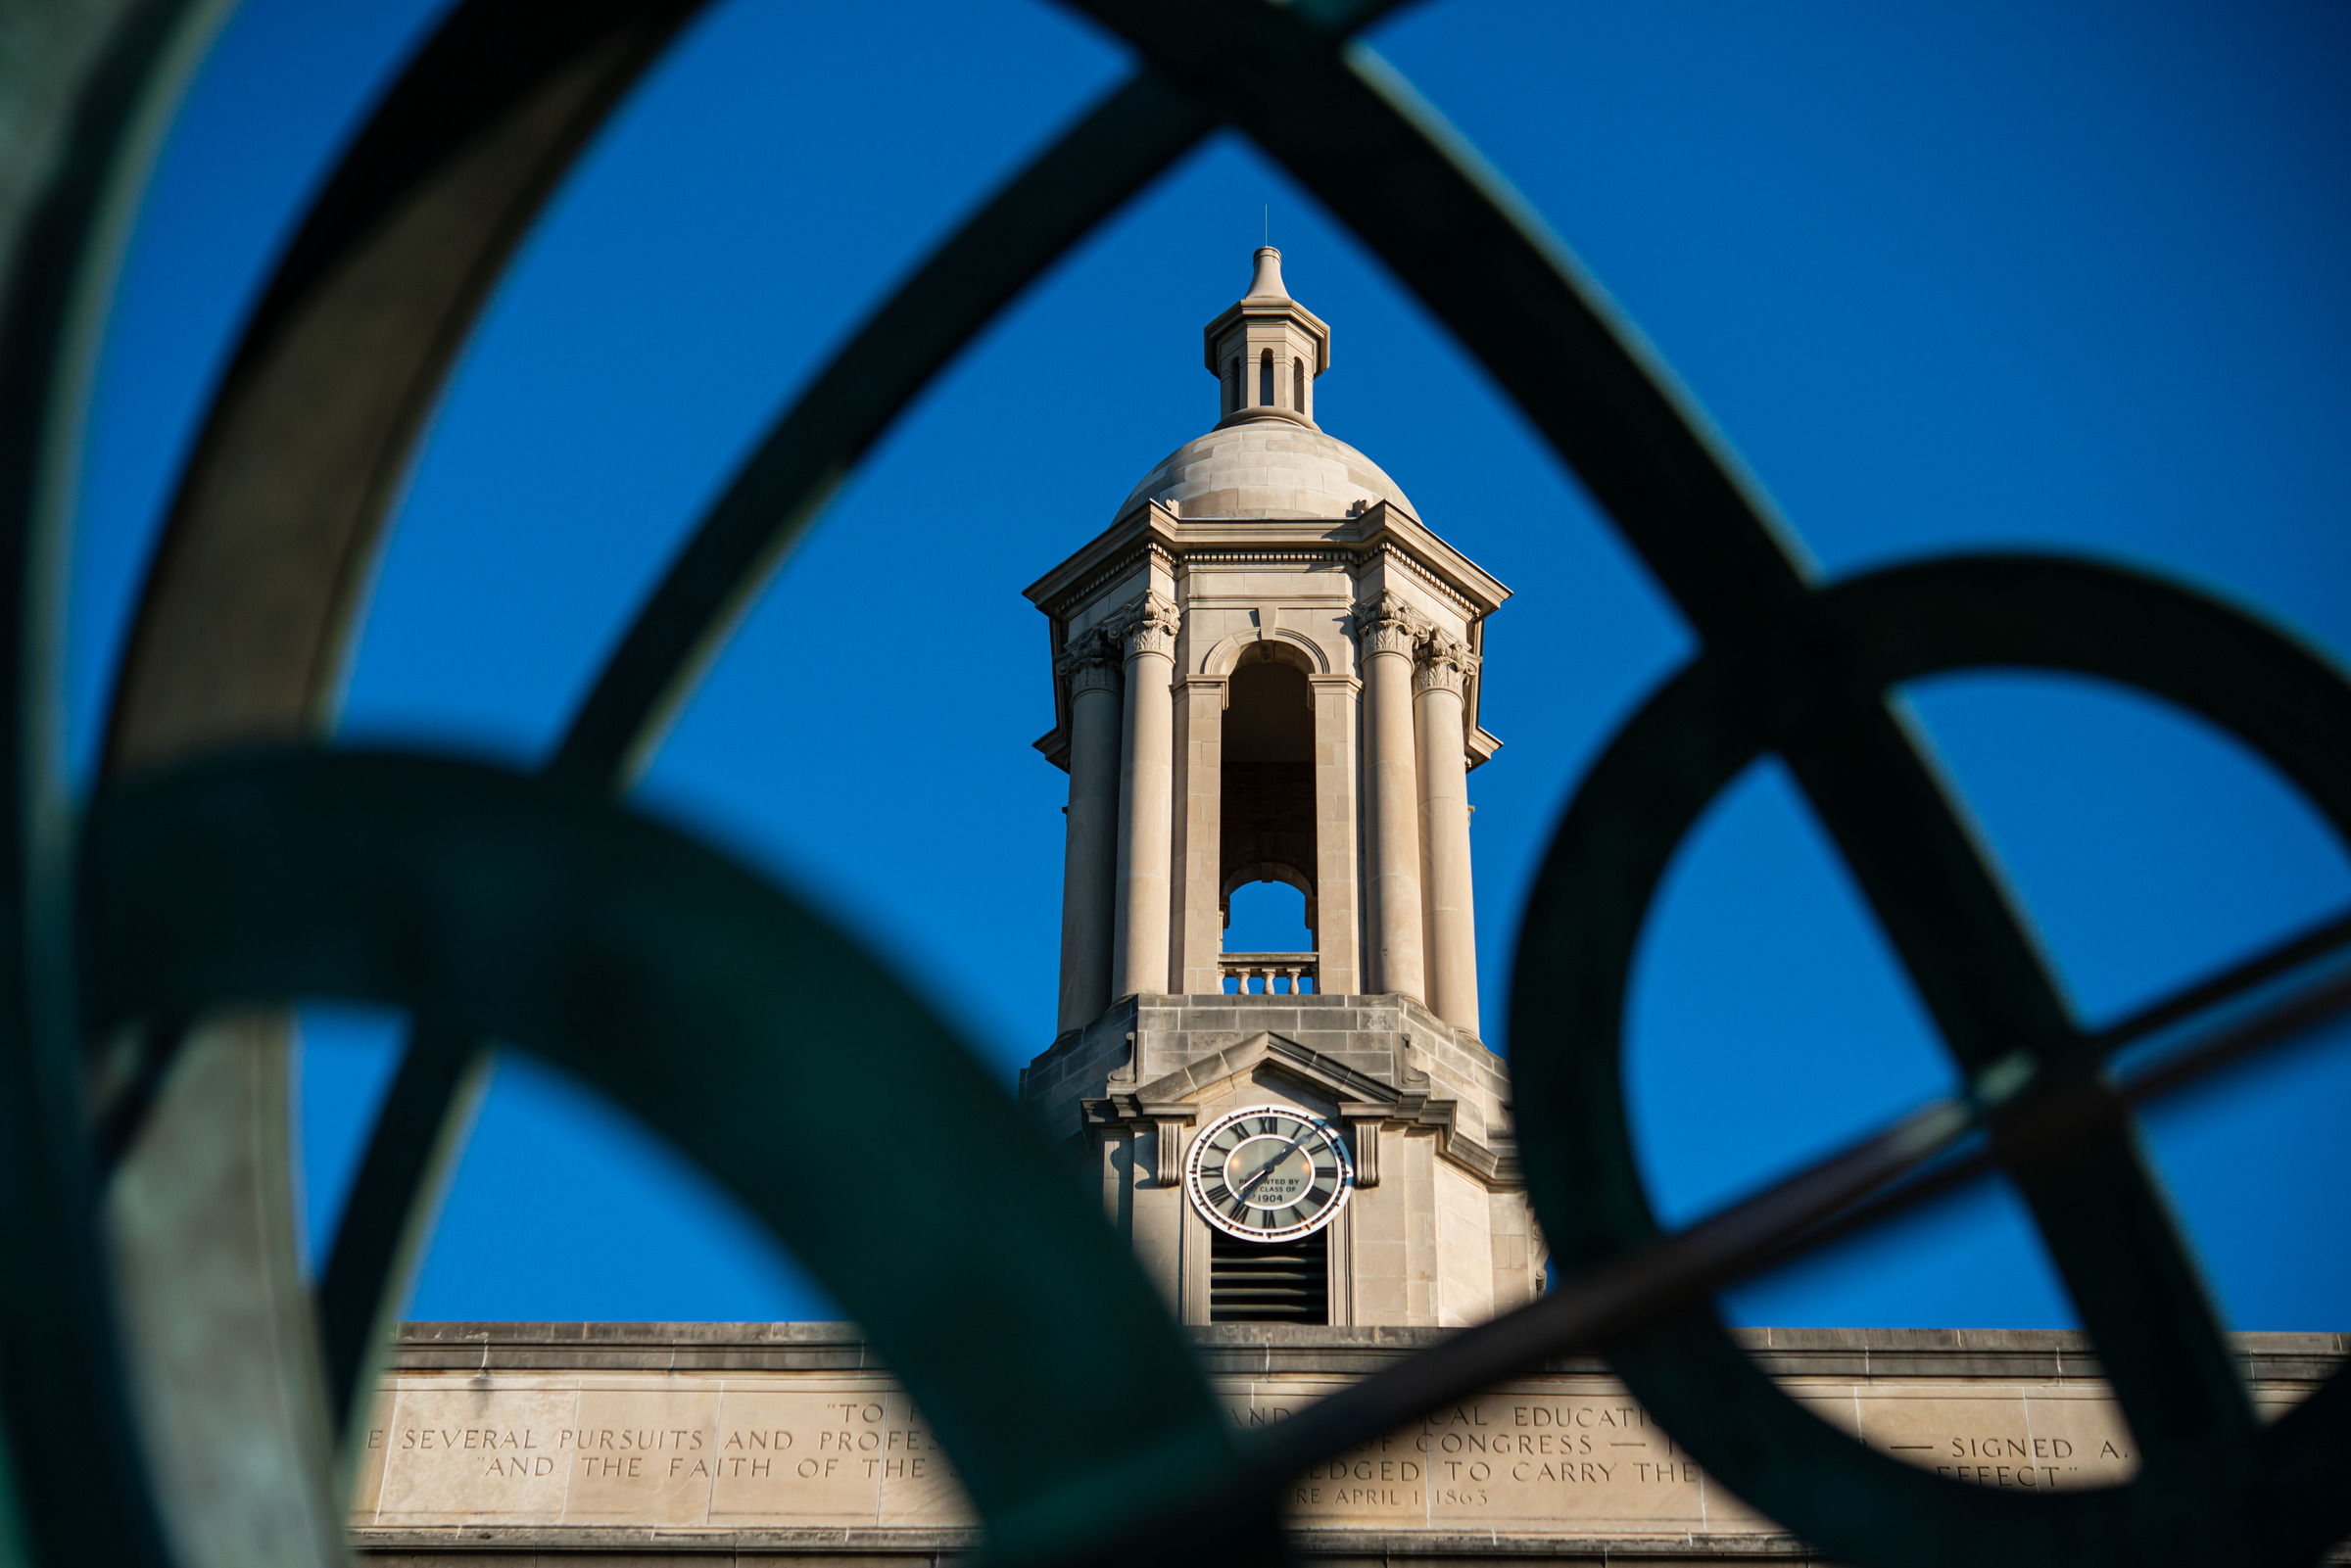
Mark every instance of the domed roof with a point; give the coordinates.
(1265, 467)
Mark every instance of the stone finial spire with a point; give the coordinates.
(1266, 282)
(1265, 351)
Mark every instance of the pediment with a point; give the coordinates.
(1311, 1070)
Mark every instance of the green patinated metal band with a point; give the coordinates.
(2203, 1494)
(737, 1022)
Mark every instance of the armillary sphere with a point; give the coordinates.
(228, 866)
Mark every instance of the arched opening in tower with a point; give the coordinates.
(1265, 918)
(1268, 808)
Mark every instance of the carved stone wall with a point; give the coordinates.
(498, 1445)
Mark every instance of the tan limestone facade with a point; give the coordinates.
(1267, 669)
(1438, 1230)
(500, 1445)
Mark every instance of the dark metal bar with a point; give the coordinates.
(1356, 135)
(2287, 1021)
(1581, 1316)
(1127, 141)
(394, 1202)
(2110, 1235)
(308, 439)
(1124, 143)
(2305, 947)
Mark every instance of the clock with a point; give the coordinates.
(1268, 1172)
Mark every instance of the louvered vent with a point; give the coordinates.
(1285, 1282)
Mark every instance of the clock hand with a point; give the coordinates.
(1267, 1169)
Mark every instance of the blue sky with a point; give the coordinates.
(2062, 276)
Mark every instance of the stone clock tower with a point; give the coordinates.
(1266, 669)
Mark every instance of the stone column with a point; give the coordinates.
(1199, 834)
(1139, 961)
(1444, 665)
(1089, 865)
(1337, 936)
(1386, 632)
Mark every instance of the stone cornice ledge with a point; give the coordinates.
(1262, 1349)
(1361, 537)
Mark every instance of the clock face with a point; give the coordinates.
(1268, 1172)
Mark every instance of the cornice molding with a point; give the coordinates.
(1395, 556)
(1380, 531)
(1135, 1113)
(1268, 308)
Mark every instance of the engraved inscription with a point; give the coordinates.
(1567, 1455)
(2014, 1440)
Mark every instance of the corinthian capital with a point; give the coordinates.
(1444, 664)
(1148, 625)
(1090, 663)
(1388, 625)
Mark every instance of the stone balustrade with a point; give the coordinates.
(1265, 969)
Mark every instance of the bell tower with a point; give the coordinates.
(1267, 669)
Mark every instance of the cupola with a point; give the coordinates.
(1265, 351)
